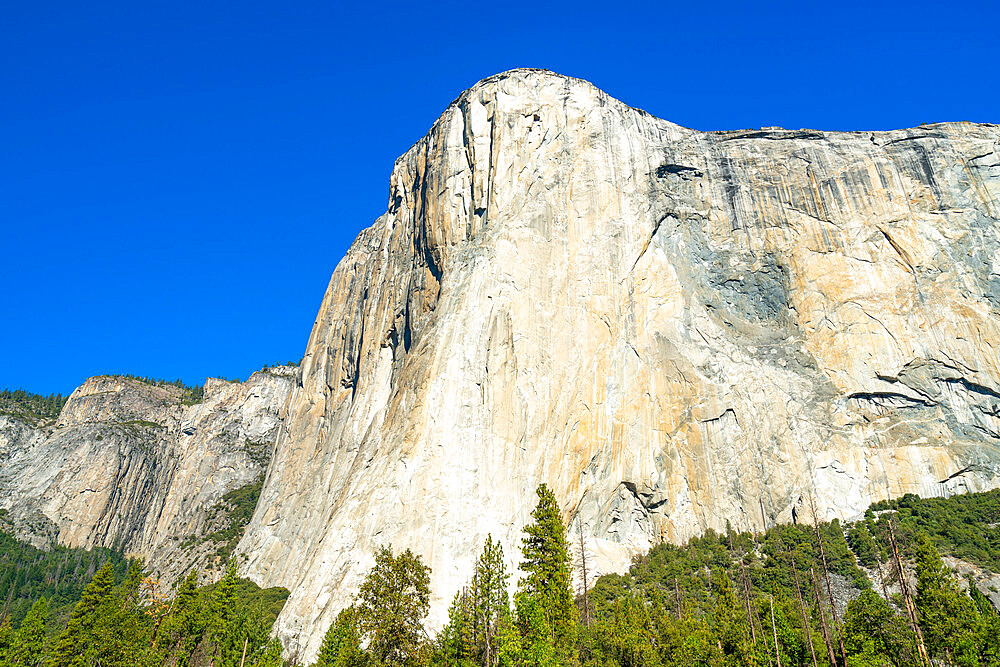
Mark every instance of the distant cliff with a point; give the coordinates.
(672, 328)
(136, 466)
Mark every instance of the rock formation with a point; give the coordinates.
(128, 465)
(671, 328)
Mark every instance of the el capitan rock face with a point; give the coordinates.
(669, 327)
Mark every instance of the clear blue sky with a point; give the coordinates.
(178, 180)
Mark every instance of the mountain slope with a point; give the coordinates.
(671, 328)
(136, 466)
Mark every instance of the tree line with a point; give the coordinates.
(35, 407)
(875, 593)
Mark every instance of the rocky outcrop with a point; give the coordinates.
(130, 465)
(671, 328)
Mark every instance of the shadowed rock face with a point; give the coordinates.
(127, 465)
(671, 328)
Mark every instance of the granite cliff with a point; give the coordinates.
(672, 328)
(139, 467)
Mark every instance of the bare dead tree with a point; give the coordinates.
(829, 587)
(583, 571)
(822, 617)
(774, 629)
(802, 607)
(746, 588)
(911, 610)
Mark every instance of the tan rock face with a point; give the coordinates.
(127, 465)
(671, 328)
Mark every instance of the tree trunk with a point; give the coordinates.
(802, 608)
(911, 610)
(822, 617)
(583, 568)
(774, 629)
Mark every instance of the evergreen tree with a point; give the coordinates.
(729, 622)
(508, 642)
(548, 580)
(875, 635)
(342, 643)
(948, 618)
(537, 646)
(122, 632)
(393, 601)
(75, 645)
(989, 635)
(476, 612)
(454, 644)
(224, 600)
(245, 638)
(29, 641)
(626, 636)
(490, 599)
(6, 641)
(184, 627)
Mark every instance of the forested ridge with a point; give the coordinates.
(30, 407)
(721, 599)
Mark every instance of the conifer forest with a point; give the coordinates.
(875, 592)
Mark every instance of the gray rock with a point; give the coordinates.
(128, 465)
(671, 328)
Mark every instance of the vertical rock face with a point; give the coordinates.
(671, 328)
(128, 465)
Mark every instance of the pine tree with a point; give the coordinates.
(342, 643)
(508, 643)
(393, 601)
(245, 638)
(548, 580)
(454, 645)
(729, 622)
(185, 626)
(489, 602)
(989, 636)
(122, 633)
(948, 618)
(875, 635)
(6, 641)
(537, 639)
(29, 640)
(223, 605)
(627, 637)
(76, 642)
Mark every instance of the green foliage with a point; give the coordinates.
(391, 606)
(123, 618)
(293, 364)
(28, 643)
(342, 643)
(238, 506)
(6, 641)
(59, 575)
(32, 408)
(948, 618)
(545, 589)
(76, 644)
(192, 393)
(477, 612)
(719, 600)
(876, 635)
(965, 526)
